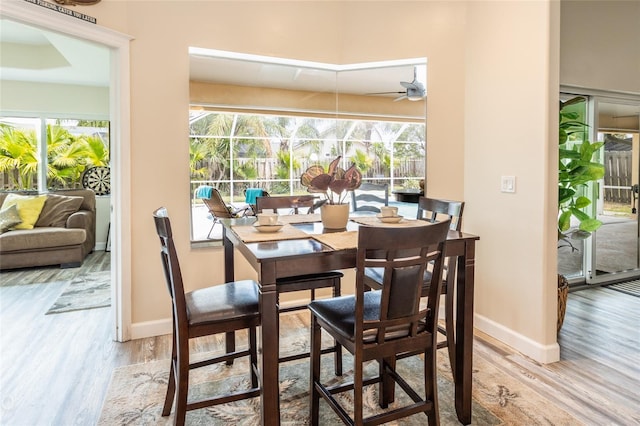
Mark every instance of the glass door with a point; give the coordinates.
(616, 245)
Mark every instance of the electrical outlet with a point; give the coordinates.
(508, 184)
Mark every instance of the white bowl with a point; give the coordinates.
(389, 219)
(268, 228)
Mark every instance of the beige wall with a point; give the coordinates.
(600, 46)
(160, 91)
(492, 92)
(477, 54)
(87, 102)
(510, 103)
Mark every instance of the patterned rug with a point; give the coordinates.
(628, 287)
(136, 392)
(88, 291)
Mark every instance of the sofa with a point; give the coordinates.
(64, 232)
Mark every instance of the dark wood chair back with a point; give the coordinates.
(384, 325)
(221, 308)
(292, 203)
(433, 210)
(310, 282)
(403, 255)
(369, 197)
(171, 265)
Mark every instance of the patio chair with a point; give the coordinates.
(218, 208)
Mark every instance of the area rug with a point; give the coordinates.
(629, 287)
(88, 291)
(136, 393)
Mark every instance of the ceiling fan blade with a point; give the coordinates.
(399, 98)
(383, 93)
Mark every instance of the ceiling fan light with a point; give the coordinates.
(414, 97)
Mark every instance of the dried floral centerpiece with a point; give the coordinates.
(334, 183)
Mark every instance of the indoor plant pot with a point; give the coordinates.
(334, 216)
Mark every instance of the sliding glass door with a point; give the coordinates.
(616, 254)
(612, 253)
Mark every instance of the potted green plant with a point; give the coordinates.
(575, 170)
(334, 183)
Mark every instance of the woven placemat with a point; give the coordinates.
(299, 218)
(338, 240)
(249, 234)
(404, 223)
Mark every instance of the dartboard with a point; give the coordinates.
(98, 179)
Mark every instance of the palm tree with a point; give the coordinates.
(18, 156)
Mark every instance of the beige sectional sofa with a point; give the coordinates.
(60, 236)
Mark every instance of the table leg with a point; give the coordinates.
(269, 341)
(464, 333)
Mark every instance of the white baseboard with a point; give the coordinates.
(140, 330)
(544, 354)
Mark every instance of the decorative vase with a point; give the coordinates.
(563, 293)
(334, 216)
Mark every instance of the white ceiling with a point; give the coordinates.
(32, 54)
(315, 77)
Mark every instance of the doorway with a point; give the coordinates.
(118, 45)
(612, 253)
(615, 249)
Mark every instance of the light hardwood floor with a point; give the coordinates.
(56, 368)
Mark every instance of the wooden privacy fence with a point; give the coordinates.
(617, 179)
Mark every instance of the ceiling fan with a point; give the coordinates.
(415, 89)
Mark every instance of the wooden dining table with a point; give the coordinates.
(304, 247)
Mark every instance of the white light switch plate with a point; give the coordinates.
(508, 184)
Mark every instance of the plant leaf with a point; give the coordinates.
(582, 202)
(564, 221)
(590, 225)
(334, 165)
(579, 214)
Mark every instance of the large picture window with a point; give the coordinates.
(46, 153)
(232, 151)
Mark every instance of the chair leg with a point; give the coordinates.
(253, 355)
(182, 380)
(431, 387)
(215, 220)
(171, 385)
(230, 343)
(358, 414)
(386, 393)
(316, 336)
(338, 348)
(448, 315)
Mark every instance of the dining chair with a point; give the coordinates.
(292, 204)
(369, 197)
(219, 209)
(217, 309)
(380, 325)
(434, 210)
(310, 282)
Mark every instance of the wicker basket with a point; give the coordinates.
(563, 292)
